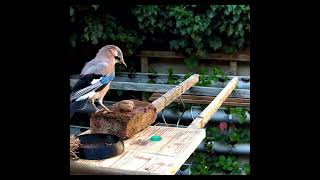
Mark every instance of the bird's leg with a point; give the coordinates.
(105, 108)
(95, 107)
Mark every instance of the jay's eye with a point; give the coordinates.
(117, 57)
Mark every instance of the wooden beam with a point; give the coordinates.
(233, 68)
(144, 64)
(205, 100)
(161, 77)
(206, 114)
(208, 98)
(200, 102)
(195, 90)
(216, 56)
(165, 99)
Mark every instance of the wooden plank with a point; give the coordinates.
(207, 98)
(226, 103)
(233, 68)
(142, 156)
(162, 75)
(195, 90)
(161, 54)
(199, 102)
(165, 99)
(144, 64)
(123, 76)
(207, 113)
(162, 78)
(215, 56)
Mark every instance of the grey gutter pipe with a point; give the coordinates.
(219, 116)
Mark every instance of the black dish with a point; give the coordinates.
(99, 146)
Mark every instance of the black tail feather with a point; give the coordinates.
(76, 105)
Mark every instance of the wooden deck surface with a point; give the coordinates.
(142, 156)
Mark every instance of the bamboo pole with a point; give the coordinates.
(174, 93)
(206, 114)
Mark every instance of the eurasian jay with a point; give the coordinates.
(95, 79)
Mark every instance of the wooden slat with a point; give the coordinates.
(215, 56)
(195, 90)
(233, 68)
(165, 99)
(206, 100)
(199, 102)
(207, 113)
(142, 156)
(124, 76)
(144, 64)
(162, 78)
(162, 75)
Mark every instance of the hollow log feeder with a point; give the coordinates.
(144, 157)
(127, 124)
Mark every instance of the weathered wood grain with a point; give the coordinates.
(142, 156)
(207, 113)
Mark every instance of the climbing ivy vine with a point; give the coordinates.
(198, 29)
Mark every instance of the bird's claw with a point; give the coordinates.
(104, 111)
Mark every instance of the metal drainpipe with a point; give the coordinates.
(219, 116)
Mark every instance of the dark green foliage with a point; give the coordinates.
(198, 29)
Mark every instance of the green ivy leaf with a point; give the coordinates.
(73, 38)
(191, 62)
(174, 44)
(140, 18)
(230, 31)
(188, 50)
(222, 158)
(71, 11)
(95, 7)
(208, 32)
(240, 26)
(197, 18)
(189, 29)
(215, 44)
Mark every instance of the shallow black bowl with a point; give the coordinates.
(99, 146)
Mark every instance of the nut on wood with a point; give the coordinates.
(126, 105)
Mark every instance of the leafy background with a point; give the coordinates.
(198, 29)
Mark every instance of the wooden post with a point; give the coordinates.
(174, 93)
(233, 68)
(206, 114)
(144, 64)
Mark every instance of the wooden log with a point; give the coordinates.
(206, 114)
(174, 93)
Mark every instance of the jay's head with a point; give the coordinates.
(116, 53)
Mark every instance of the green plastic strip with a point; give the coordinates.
(155, 138)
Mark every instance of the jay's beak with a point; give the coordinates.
(122, 62)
